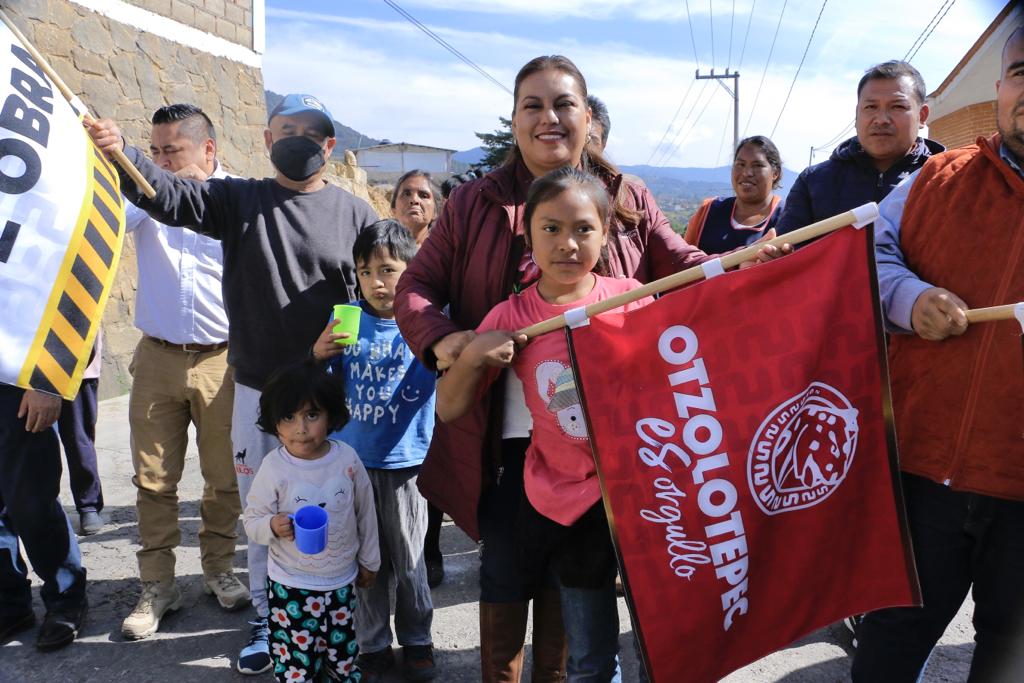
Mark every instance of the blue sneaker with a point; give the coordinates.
(255, 657)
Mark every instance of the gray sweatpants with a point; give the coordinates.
(401, 525)
(250, 446)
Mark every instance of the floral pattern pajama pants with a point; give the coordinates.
(312, 631)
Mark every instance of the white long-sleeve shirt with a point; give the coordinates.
(180, 271)
(337, 482)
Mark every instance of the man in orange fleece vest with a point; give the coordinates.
(949, 238)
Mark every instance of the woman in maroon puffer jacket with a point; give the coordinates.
(475, 258)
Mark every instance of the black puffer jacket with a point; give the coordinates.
(847, 180)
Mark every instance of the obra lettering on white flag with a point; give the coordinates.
(61, 230)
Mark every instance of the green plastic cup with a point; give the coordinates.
(347, 320)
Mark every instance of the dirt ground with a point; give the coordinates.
(201, 641)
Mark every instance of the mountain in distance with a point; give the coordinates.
(679, 191)
(470, 157)
(348, 138)
(721, 175)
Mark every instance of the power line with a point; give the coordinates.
(839, 136)
(679, 131)
(691, 129)
(443, 43)
(799, 66)
(732, 20)
(747, 34)
(696, 60)
(768, 61)
(669, 126)
(913, 52)
(918, 43)
(711, 18)
(923, 31)
(693, 42)
(725, 131)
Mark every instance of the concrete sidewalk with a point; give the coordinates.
(200, 642)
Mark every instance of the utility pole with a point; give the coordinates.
(734, 94)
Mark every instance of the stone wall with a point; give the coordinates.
(229, 19)
(124, 73)
(348, 176)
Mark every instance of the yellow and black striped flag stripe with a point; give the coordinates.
(63, 342)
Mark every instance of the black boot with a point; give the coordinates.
(432, 547)
(60, 627)
(15, 623)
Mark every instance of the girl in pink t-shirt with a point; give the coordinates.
(562, 521)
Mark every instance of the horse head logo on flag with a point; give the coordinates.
(803, 450)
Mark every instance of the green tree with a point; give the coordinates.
(497, 144)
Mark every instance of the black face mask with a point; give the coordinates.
(297, 157)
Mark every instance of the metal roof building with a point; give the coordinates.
(399, 157)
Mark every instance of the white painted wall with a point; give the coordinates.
(175, 31)
(976, 82)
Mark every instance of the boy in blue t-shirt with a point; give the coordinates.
(390, 396)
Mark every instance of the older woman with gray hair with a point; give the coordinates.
(414, 203)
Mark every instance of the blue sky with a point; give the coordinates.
(382, 76)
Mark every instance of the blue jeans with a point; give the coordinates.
(591, 619)
(962, 541)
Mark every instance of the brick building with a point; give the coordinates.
(964, 106)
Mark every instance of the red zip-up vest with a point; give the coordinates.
(959, 403)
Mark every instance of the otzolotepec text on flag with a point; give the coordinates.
(61, 230)
(747, 461)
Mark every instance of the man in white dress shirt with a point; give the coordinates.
(181, 376)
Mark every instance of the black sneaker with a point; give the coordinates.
(418, 662)
(374, 665)
(255, 656)
(61, 627)
(16, 623)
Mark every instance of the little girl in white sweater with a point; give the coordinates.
(311, 596)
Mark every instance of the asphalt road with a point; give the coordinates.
(200, 642)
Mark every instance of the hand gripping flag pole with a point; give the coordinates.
(994, 313)
(76, 104)
(857, 217)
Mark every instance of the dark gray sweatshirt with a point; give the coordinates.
(287, 256)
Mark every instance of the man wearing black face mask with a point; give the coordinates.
(287, 244)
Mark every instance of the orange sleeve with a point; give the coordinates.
(696, 224)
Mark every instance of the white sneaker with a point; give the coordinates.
(255, 657)
(852, 623)
(158, 598)
(230, 592)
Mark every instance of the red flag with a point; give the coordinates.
(743, 436)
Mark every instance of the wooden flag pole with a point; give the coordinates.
(118, 155)
(862, 215)
(992, 313)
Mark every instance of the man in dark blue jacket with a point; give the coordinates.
(865, 168)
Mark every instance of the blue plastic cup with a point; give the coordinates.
(310, 524)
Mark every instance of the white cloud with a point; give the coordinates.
(644, 10)
(388, 80)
